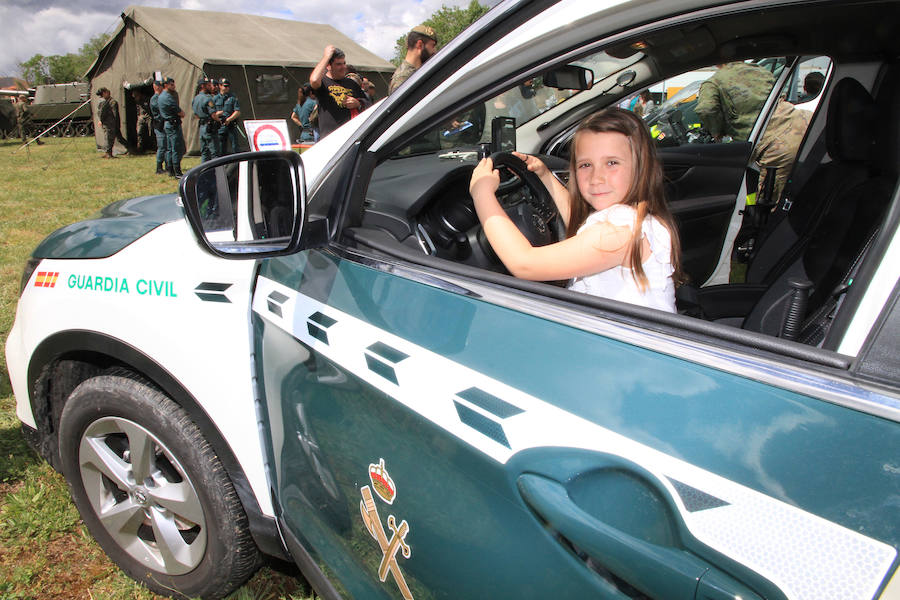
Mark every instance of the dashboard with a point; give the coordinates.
(423, 201)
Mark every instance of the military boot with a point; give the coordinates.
(178, 172)
(159, 169)
(170, 170)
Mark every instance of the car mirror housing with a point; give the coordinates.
(250, 205)
(569, 77)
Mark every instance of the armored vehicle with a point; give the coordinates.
(55, 101)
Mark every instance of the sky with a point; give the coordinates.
(51, 27)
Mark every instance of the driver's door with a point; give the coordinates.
(441, 440)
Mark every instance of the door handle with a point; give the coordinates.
(657, 571)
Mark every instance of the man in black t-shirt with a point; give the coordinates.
(340, 98)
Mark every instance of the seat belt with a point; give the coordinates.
(816, 327)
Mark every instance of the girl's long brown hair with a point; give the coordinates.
(646, 194)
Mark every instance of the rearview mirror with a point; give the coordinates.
(569, 77)
(247, 205)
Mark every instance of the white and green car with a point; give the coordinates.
(319, 358)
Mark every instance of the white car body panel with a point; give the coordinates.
(214, 363)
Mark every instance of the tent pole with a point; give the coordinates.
(249, 94)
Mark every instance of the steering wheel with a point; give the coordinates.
(527, 202)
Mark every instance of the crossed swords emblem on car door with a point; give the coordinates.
(389, 547)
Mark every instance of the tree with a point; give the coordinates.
(62, 68)
(447, 23)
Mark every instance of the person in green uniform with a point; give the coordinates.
(208, 120)
(230, 108)
(421, 44)
(730, 101)
(172, 115)
(158, 128)
(23, 119)
(778, 146)
(108, 119)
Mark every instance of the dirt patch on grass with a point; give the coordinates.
(65, 567)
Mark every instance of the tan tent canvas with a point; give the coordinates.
(266, 60)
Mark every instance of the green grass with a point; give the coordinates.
(45, 551)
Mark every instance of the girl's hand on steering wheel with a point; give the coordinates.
(485, 180)
(534, 164)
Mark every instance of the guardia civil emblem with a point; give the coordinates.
(390, 546)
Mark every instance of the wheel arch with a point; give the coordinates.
(67, 358)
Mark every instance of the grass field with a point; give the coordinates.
(45, 551)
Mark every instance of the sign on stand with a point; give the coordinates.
(270, 134)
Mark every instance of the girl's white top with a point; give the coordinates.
(617, 283)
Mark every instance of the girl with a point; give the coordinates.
(621, 241)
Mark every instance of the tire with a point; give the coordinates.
(206, 549)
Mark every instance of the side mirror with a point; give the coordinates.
(249, 205)
(569, 77)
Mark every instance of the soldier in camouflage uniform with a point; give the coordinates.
(144, 119)
(23, 119)
(780, 143)
(730, 100)
(421, 44)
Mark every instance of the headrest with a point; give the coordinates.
(887, 109)
(850, 128)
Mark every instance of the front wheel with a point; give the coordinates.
(152, 491)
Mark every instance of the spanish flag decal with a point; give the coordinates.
(46, 279)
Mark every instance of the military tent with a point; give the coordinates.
(266, 60)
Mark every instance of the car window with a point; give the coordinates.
(712, 104)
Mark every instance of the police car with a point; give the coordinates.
(320, 358)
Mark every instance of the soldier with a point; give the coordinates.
(731, 99)
(204, 108)
(172, 115)
(144, 119)
(108, 119)
(779, 144)
(23, 119)
(158, 128)
(229, 108)
(421, 44)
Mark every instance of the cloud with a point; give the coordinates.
(54, 27)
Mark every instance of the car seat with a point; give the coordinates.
(838, 214)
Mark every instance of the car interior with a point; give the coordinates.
(808, 247)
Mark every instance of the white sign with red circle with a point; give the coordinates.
(271, 134)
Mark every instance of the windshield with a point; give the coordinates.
(515, 106)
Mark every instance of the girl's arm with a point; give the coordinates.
(595, 249)
(557, 190)
(296, 119)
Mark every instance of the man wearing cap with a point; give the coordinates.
(208, 120)
(421, 44)
(172, 114)
(108, 119)
(229, 109)
(158, 128)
